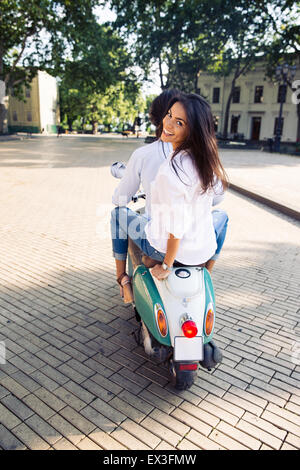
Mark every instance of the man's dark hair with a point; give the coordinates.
(159, 108)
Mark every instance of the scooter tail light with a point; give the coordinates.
(209, 321)
(189, 329)
(161, 321)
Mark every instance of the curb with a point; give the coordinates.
(10, 139)
(268, 202)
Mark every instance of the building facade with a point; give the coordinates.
(40, 111)
(255, 105)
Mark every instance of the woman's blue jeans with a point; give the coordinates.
(127, 223)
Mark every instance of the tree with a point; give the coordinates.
(178, 37)
(284, 46)
(37, 34)
(248, 28)
(113, 108)
(254, 29)
(72, 104)
(98, 72)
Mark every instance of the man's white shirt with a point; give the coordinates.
(141, 169)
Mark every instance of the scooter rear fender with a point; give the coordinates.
(187, 291)
(147, 300)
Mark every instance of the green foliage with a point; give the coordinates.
(64, 38)
(36, 33)
(285, 44)
(98, 85)
(113, 108)
(177, 37)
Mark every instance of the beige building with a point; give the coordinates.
(255, 105)
(40, 111)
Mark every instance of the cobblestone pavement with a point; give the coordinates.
(74, 377)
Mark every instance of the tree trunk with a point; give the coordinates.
(227, 110)
(161, 76)
(95, 127)
(3, 119)
(298, 123)
(69, 121)
(3, 108)
(196, 79)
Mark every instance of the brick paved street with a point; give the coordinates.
(74, 377)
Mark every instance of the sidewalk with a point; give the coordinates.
(73, 375)
(8, 137)
(270, 178)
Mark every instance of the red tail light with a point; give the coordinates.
(189, 329)
(188, 366)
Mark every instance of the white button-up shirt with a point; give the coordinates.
(141, 169)
(179, 207)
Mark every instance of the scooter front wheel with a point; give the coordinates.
(183, 374)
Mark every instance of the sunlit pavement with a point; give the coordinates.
(273, 176)
(73, 376)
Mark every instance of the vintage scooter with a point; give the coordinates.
(176, 315)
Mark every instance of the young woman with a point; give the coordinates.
(182, 194)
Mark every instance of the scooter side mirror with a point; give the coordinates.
(117, 169)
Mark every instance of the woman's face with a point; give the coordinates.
(175, 127)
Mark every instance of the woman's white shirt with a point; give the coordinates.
(179, 207)
(141, 169)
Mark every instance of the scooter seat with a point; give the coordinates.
(176, 264)
(150, 263)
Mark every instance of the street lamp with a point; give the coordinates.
(283, 73)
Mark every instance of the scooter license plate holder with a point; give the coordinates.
(188, 349)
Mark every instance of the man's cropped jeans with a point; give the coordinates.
(127, 223)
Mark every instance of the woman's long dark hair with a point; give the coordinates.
(201, 142)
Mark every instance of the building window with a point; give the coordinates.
(234, 124)
(258, 94)
(216, 95)
(281, 94)
(276, 126)
(29, 116)
(236, 94)
(27, 92)
(15, 116)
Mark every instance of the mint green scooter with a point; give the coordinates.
(176, 315)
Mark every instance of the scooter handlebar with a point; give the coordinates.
(137, 196)
(117, 169)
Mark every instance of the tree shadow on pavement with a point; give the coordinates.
(69, 345)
